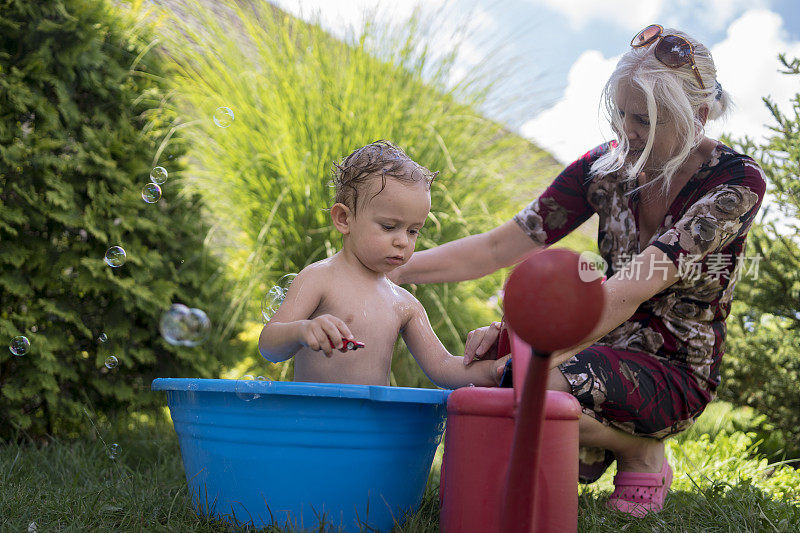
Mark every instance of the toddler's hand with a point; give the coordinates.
(497, 369)
(325, 333)
(482, 343)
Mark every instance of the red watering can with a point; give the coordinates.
(511, 455)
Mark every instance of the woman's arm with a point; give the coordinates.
(646, 275)
(467, 258)
(561, 208)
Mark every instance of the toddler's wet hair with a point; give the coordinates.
(380, 158)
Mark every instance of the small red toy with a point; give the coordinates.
(349, 344)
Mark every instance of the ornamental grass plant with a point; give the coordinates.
(302, 100)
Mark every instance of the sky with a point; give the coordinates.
(556, 55)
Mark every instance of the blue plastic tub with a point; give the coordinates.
(305, 454)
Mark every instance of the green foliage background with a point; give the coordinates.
(80, 128)
(762, 366)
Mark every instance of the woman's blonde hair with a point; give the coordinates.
(671, 94)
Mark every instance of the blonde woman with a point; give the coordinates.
(674, 210)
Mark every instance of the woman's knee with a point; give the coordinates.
(557, 381)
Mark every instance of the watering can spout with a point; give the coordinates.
(530, 384)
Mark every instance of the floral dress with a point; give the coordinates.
(655, 373)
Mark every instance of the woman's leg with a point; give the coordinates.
(634, 454)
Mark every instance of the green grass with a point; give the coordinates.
(74, 486)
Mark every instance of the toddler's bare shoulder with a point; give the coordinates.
(402, 294)
(316, 274)
(409, 302)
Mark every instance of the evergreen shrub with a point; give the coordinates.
(762, 366)
(82, 122)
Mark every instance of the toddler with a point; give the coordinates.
(382, 201)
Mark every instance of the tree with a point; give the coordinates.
(81, 125)
(762, 368)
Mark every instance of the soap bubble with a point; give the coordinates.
(261, 378)
(173, 324)
(158, 175)
(151, 193)
(285, 281)
(182, 326)
(19, 345)
(102, 338)
(113, 451)
(115, 256)
(111, 362)
(246, 388)
(198, 326)
(223, 117)
(271, 302)
(275, 296)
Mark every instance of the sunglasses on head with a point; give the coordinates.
(672, 50)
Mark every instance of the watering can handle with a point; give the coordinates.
(519, 511)
(522, 359)
(522, 356)
(503, 342)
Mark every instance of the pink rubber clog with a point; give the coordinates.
(640, 493)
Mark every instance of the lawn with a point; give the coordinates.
(721, 484)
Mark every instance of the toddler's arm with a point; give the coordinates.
(290, 328)
(445, 370)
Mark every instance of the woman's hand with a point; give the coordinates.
(325, 333)
(482, 342)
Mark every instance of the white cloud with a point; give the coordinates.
(479, 18)
(574, 124)
(631, 14)
(747, 67)
(714, 15)
(347, 16)
(634, 15)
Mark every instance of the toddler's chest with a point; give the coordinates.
(368, 313)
